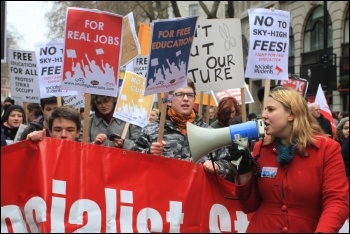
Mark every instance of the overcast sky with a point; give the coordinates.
(27, 18)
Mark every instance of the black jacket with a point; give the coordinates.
(325, 125)
(3, 138)
(34, 126)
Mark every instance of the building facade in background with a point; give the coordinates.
(308, 57)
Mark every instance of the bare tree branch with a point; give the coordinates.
(214, 9)
(160, 10)
(147, 9)
(230, 10)
(56, 17)
(204, 7)
(175, 8)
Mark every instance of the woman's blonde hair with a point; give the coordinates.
(304, 126)
(156, 110)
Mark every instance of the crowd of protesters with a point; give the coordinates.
(296, 139)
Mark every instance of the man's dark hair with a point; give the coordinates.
(65, 112)
(190, 83)
(36, 108)
(252, 116)
(10, 100)
(261, 92)
(45, 101)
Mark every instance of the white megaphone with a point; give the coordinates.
(205, 140)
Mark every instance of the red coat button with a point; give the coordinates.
(284, 229)
(284, 208)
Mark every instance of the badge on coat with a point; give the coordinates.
(269, 172)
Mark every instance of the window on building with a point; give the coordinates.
(245, 47)
(313, 36)
(291, 42)
(246, 5)
(226, 7)
(346, 28)
(193, 10)
(291, 53)
(5, 82)
(230, 13)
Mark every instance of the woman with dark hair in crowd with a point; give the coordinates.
(34, 112)
(12, 119)
(228, 113)
(342, 131)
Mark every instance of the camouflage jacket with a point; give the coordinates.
(177, 145)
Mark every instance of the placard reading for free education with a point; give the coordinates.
(169, 55)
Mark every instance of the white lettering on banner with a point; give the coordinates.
(155, 219)
(58, 206)
(14, 214)
(242, 222)
(38, 205)
(176, 217)
(35, 211)
(76, 215)
(219, 220)
(126, 212)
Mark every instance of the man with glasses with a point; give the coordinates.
(175, 140)
(325, 124)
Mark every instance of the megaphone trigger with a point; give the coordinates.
(241, 142)
(237, 162)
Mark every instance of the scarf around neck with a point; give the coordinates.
(285, 154)
(180, 120)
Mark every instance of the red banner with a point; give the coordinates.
(64, 186)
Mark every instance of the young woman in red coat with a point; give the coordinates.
(301, 184)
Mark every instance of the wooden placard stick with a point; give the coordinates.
(87, 108)
(162, 117)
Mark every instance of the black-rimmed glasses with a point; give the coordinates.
(182, 95)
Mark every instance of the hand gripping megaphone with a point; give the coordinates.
(205, 140)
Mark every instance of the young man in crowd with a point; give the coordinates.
(47, 106)
(64, 123)
(175, 142)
